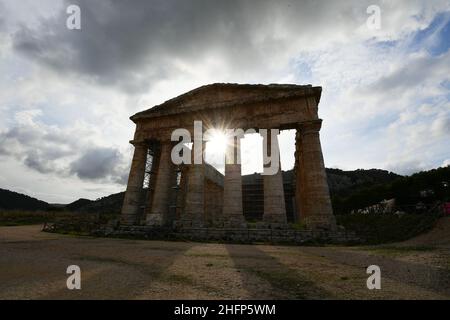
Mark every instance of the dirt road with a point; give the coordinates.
(33, 266)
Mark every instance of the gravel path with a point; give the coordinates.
(33, 266)
(417, 274)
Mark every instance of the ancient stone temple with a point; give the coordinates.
(163, 194)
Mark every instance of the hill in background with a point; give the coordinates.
(426, 188)
(109, 204)
(11, 200)
(343, 183)
(349, 190)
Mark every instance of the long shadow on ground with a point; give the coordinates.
(264, 277)
(424, 276)
(110, 268)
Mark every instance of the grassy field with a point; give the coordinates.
(21, 218)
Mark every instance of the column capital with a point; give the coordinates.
(138, 143)
(166, 142)
(269, 131)
(310, 126)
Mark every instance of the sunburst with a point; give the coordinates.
(217, 141)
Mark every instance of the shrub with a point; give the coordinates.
(385, 228)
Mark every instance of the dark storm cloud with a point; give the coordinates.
(131, 44)
(2, 18)
(35, 147)
(47, 151)
(35, 161)
(96, 163)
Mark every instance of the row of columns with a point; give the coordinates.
(312, 194)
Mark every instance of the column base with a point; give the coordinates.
(190, 223)
(198, 224)
(154, 219)
(127, 220)
(324, 222)
(276, 219)
(235, 222)
(183, 224)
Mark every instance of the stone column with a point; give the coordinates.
(314, 196)
(233, 215)
(133, 195)
(195, 197)
(181, 195)
(274, 202)
(165, 181)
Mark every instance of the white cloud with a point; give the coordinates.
(65, 97)
(49, 149)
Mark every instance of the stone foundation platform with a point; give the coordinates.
(232, 235)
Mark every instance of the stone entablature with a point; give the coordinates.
(193, 195)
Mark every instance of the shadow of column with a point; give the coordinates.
(415, 274)
(129, 270)
(265, 277)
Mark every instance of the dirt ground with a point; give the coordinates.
(33, 266)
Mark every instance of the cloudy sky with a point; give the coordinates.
(66, 95)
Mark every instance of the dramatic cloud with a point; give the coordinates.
(131, 46)
(66, 95)
(99, 163)
(48, 149)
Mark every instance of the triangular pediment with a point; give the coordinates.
(219, 95)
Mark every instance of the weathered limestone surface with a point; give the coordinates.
(251, 235)
(233, 215)
(195, 193)
(213, 196)
(131, 204)
(213, 203)
(195, 199)
(274, 202)
(315, 203)
(165, 181)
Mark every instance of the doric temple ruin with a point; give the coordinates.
(163, 194)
